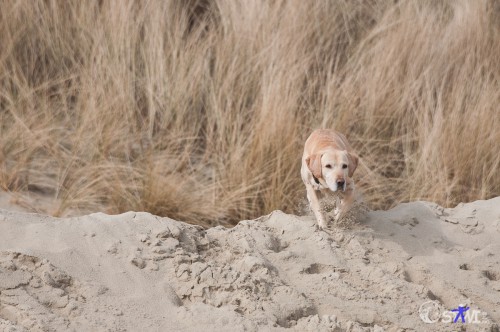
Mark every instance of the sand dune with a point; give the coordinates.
(139, 272)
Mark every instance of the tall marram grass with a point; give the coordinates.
(198, 110)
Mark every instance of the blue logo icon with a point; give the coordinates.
(460, 313)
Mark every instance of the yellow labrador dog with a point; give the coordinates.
(328, 164)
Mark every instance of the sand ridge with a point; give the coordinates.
(136, 271)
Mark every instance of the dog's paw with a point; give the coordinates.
(322, 224)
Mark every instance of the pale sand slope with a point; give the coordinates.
(138, 272)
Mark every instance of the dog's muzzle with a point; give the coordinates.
(341, 183)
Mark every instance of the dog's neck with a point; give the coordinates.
(322, 184)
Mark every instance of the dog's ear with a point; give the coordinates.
(314, 164)
(353, 163)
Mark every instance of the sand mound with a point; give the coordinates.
(136, 272)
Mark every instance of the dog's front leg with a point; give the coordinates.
(314, 203)
(345, 204)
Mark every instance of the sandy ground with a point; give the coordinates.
(139, 272)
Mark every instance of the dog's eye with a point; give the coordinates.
(344, 166)
(328, 166)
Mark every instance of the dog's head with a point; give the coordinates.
(334, 167)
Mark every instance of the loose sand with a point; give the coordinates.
(139, 272)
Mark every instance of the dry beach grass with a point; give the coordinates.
(198, 110)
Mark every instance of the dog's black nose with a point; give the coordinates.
(340, 183)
